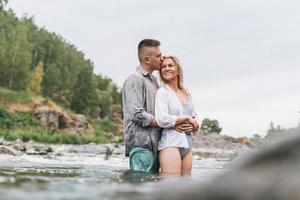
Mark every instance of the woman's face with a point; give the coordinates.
(169, 70)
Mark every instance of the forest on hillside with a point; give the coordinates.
(41, 70)
(35, 60)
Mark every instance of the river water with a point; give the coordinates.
(77, 177)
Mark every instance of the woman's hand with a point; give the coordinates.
(185, 123)
(194, 123)
(196, 128)
(185, 127)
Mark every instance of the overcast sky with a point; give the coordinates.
(241, 58)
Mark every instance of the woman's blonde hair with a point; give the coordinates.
(180, 70)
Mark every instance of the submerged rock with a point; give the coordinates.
(37, 149)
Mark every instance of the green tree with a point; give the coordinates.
(14, 52)
(84, 97)
(35, 80)
(115, 94)
(2, 4)
(23, 45)
(108, 94)
(105, 101)
(210, 126)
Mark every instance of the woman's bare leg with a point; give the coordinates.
(186, 164)
(170, 161)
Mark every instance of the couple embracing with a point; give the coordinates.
(159, 116)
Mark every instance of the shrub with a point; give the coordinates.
(10, 120)
(118, 139)
(108, 126)
(210, 126)
(42, 136)
(6, 119)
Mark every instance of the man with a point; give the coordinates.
(138, 97)
(141, 132)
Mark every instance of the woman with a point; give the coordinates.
(173, 106)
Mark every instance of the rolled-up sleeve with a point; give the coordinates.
(162, 116)
(133, 101)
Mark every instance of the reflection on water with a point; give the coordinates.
(136, 177)
(87, 178)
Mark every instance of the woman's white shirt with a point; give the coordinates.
(167, 107)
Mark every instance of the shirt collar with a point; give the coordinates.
(141, 70)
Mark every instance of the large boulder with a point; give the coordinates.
(48, 117)
(78, 124)
(55, 119)
(272, 173)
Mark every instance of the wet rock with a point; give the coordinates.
(31, 151)
(18, 145)
(9, 150)
(1, 141)
(119, 149)
(42, 149)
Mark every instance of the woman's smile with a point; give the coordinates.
(169, 70)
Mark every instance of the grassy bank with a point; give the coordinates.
(22, 124)
(11, 96)
(43, 136)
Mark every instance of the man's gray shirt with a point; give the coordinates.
(138, 98)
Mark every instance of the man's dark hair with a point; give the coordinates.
(146, 43)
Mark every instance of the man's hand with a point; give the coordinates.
(186, 127)
(154, 123)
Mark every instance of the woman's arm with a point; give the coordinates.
(162, 116)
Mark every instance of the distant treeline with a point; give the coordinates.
(35, 60)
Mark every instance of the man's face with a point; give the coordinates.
(155, 58)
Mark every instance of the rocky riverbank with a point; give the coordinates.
(216, 146)
(212, 145)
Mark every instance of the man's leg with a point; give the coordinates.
(142, 160)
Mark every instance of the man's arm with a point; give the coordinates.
(133, 102)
